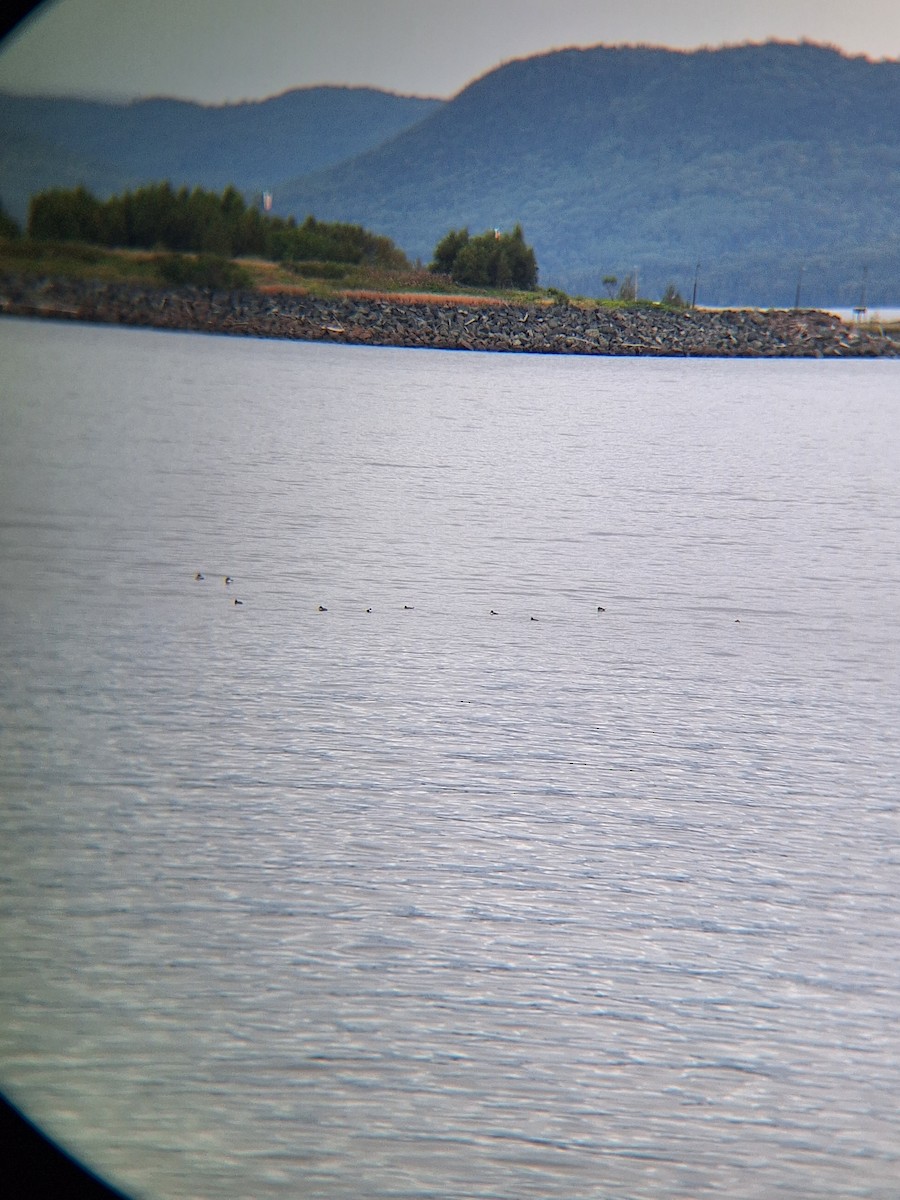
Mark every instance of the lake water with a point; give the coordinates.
(430, 902)
(876, 315)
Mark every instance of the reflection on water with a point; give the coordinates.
(425, 901)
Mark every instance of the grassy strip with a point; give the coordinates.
(74, 260)
(77, 261)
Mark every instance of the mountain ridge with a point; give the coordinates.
(252, 144)
(762, 163)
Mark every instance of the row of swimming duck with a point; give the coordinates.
(228, 580)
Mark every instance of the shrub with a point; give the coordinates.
(628, 290)
(31, 250)
(209, 271)
(558, 296)
(318, 270)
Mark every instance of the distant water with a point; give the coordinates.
(890, 316)
(426, 902)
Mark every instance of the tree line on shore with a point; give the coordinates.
(159, 217)
(225, 226)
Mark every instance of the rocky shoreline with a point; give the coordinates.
(450, 323)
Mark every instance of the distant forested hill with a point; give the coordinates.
(769, 165)
(109, 147)
(765, 164)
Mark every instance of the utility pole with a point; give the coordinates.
(696, 277)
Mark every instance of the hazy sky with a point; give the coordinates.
(216, 50)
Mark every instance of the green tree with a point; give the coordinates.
(476, 263)
(250, 233)
(492, 259)
(517, 265)
(446, 251)
(59, 215)
(628, 290)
